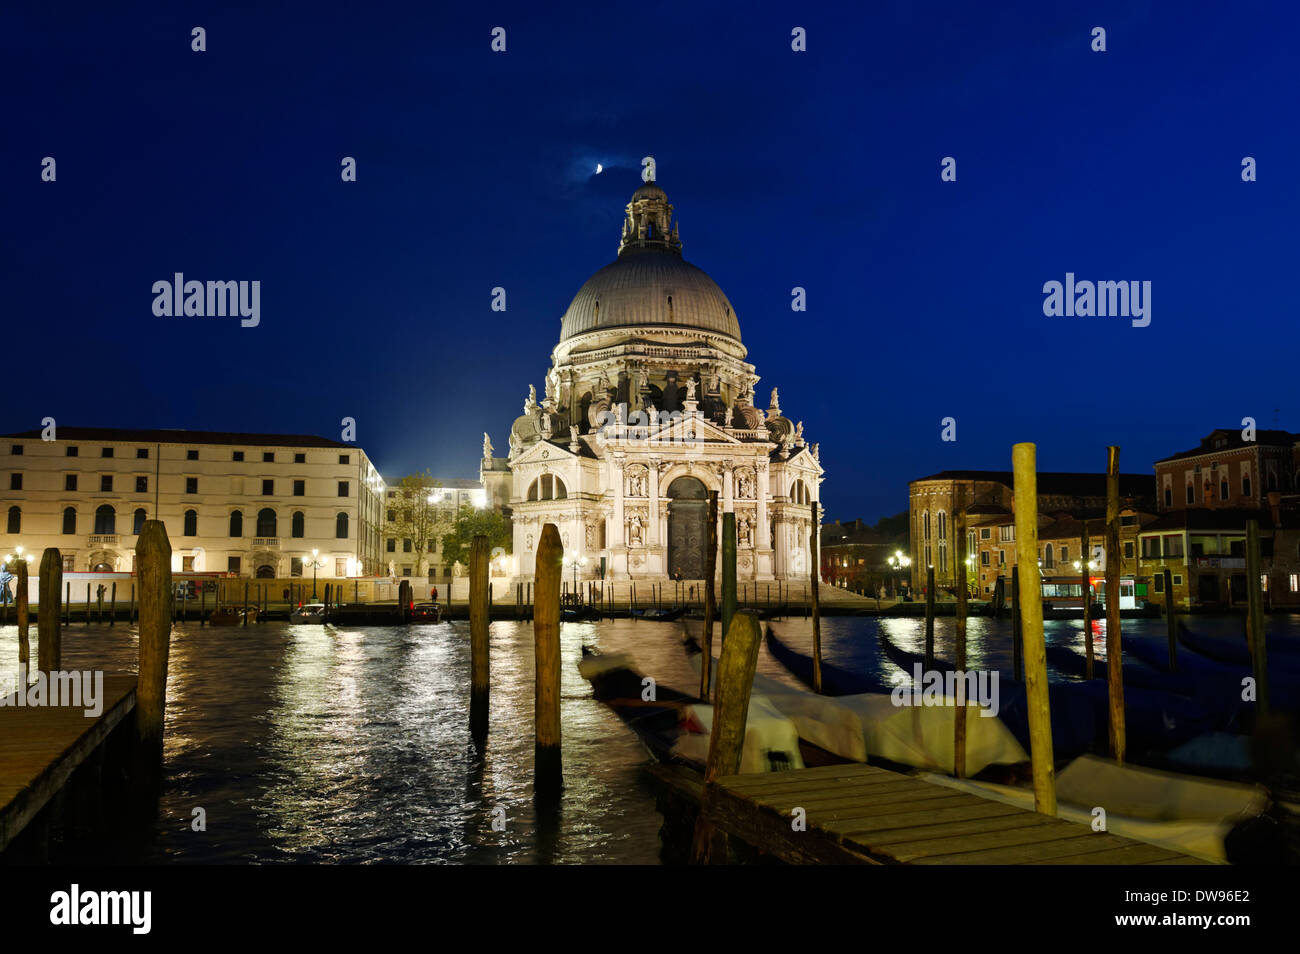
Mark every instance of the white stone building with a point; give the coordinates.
(252, 505)
(648, 406)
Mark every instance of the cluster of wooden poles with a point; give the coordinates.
(154, 609)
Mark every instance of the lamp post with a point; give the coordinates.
(576, 562)
(314, 563)
(899, 562)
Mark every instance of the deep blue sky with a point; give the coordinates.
(818, 169)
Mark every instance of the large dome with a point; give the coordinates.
(650, 283)
(649, 288)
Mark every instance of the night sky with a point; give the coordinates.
(819, 169)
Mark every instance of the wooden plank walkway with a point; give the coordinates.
(860, 814)
(40, 748)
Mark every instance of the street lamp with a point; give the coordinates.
(899, 562)
(314, 563)
(576, 562)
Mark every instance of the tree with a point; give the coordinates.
(470, 522)
(417, 517)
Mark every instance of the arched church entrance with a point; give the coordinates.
(687, 528)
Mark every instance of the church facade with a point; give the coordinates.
(648, 405)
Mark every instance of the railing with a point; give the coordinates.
(102, 540)
(266, 542)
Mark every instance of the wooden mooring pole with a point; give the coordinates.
(813, 605)
(959, 713)
(1085, 583)
(1017, 635)
(929, 618)
(154, 570)
(478, 637)
(728, 572)
(548, 773)
(735, 681)
(20, 597)
(1024, 464)
(49, 637)
(1171, 619)
(112, 607)
(1255, 639)
(1114, 650)
(710, 596)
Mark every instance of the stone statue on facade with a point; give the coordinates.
(487, 446)
(690, 389)
(634, 527)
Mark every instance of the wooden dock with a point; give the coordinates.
(41, 747)
(860, 814)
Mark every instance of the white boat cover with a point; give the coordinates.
(771, 740)
(854, 727)
(1180, 812)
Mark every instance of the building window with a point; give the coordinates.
(268, 488)
(1245, 485)
(1007, 533)
(237, 524)
(300, 488)
(1191, 494)
(296, 524)
(232, 564)
(266, 522)
(137, 521)
(15, 520)
(1263, 582)
(984, 558)
(547, 487)
(391, 545)
(69, 481)
(300, 458)
(340, 566)
(106, 482)
(1223, 489)
(191, 485)
(69, 520)
(142, 453)
(295, 566)
(106, 452)
(1178, 580)
(105, 519)
(70, 451)
(187, 564)
(1065, 556)
(15, 481)
(1160, 582)
(1002, 558)
(142, 485)
(344, 458)
(986, 533)
(1295, 582)
(1128, 550)
(343, 488)
(191, 455)
(406, 545)
(16, 450)
(237, 455)
(1169, 497)
(191, 523)
(341, 526)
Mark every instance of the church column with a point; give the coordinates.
(764, 528)
(653, 539)
(782, 566)
(616, 473)
(728, 501)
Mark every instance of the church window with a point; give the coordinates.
(547, 487)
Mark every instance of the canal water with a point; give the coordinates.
(317, 744)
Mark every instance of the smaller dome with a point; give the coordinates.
(524, 429)
(779, 427)
(649, 191)
(746, 416)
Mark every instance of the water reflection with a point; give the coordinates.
(319, 744)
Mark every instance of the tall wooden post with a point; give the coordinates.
(548, 774)
(728, 572)
(1085, 583)
(478, 636)
(1024, 463)
(929, 618)
(1114, 650)
(710, 597)
(736, 667)
(153, 561)
(20, 597)
(1255, 617)
(112, 608)
(959, 714)
(245, 620)
(1171, 620)
(49, 637)
(813, 605)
